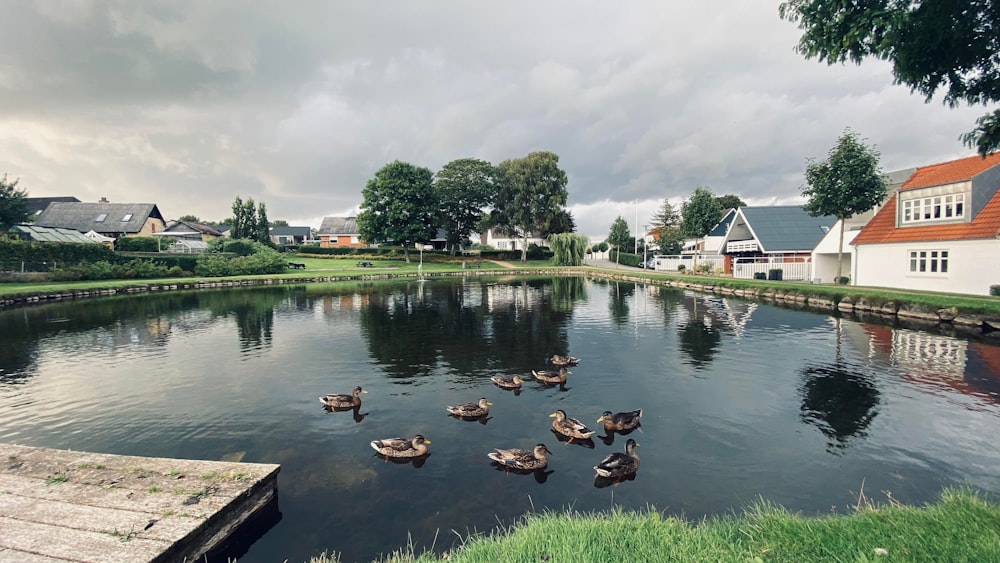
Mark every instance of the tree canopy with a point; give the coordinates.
(568, 249)
(848, 182)
(619, 236)
(727, 202)
(464, 188)
(949, 46)
(531, 191)
(699, 213)
(249, 221)
(666, 223)
(13, 204)
(399, 205)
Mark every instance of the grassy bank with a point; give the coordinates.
(961, 526)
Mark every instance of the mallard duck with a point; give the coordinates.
(401, 447)
(344, 401)
(564, 361)
(619, 464)
(547, 376)
(620, 421)
(522, 460)
(471, 410)
(570, 426)
(507, 382)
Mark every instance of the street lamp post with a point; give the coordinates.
(644, 246)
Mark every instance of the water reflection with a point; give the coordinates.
(620, 294)
(602, 482)
(541, 475)
(699, 340)
(840, 401)
(355, 411)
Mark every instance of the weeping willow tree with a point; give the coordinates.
(568, 249)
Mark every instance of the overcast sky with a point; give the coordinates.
(189, 104)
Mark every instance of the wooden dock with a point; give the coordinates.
(61, 505)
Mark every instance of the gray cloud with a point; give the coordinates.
(190, 104)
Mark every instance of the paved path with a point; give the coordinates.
(61, 505)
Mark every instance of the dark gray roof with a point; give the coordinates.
(47, 234)
(786, 228)
(38, 204)
(85, 217)
(722, 228)
(290, 231)
(181, 226)
(339, 226)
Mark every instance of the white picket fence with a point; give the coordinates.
(669, 263)
(797, 270)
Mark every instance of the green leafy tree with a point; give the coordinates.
(568, 249)
(619, 235)
(848, 182)
(531, 190)
(13, 204)
(666, 223)
(191, 219)
(561, 222)
(279, 223)
(699, 214)
(399, 205)
(464, 188)
(951, 46)
(727, 202)
(263, 231)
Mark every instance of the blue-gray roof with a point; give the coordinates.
(50, 234)
(786, 228)
(722, 228)
(290, 231)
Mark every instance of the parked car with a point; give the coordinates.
(649, 264)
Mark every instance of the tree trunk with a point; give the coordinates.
(406, 252)
(524, 248)
(840, 253)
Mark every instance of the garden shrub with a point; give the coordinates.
(138, 244)
(681, 267)
(239, 247)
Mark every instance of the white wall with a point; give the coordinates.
(824, 256)
(972, 266)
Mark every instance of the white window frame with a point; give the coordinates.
(940, 204)
(928, 261)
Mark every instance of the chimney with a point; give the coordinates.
(104, 200)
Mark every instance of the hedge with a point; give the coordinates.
(138, 244)
(58, 252)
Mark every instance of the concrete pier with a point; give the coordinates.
(61, 505)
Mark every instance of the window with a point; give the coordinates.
(102, 217)
(929, 261)
(936, 208)
(126, 218)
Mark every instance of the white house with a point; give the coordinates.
(824, 256)
(940, 232)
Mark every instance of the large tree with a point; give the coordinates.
(399, 205)
(263, 232)
(13, 204)
(953, 46)
(531, 191)
(727, 202)
(699, 214)
(848, 182)
(619, 236)
(464, 188)
(666, 223)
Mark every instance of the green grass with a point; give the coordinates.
(960, 526)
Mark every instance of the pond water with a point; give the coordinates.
(741, 400)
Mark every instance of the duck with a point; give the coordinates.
(470, 410)
(507, 382)
(564, 361)
(553, 377)
(522, 460)
(401, 447)
(344, 401)
(619, 464)
(570, 427)
(620, 421)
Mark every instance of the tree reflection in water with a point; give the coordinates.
(699, 341)
(839, 401)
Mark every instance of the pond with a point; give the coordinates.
(741, 400)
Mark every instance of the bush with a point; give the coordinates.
(104, 270)
(138, 244)
(704, 268)
(265, 261)
(843, 280)
(681, 267)
(240, 247)
(15, 251)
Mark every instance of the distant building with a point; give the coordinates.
(338, 232)
(109, 219)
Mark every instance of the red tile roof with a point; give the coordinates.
(950, 172)
(882, 228)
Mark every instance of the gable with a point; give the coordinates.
(882, 228)
(99, 217)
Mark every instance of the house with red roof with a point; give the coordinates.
(939, 232)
